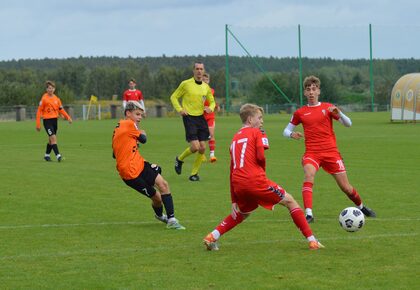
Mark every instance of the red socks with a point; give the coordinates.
(307, 194)
(355, 197)
(212, 145)
(300, 221)
(297, 215)
(229, 223)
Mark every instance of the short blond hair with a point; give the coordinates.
(308, 81)
(132, 106)
(248, 110)
(49, 83)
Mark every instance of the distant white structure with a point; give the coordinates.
(405, 98)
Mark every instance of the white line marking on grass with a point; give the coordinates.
(185, 246)
(345, 237)
(250, 220)
(11, 227)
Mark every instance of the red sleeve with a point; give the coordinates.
(265, 140)
(125, 96)
(232, 190)
(140, 96)
(295, 118)
(260, 149)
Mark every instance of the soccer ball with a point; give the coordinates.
(351, 219)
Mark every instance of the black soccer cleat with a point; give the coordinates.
(59, 158)
(47, 158)
(309, 219)
(194, 177)
(368, 212)
(178, 165)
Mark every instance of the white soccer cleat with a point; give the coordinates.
(162, 218)
(174, 224)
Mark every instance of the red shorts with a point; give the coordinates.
(211, 122)
(331, 162)
(265, 193)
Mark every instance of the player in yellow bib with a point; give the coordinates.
(191, 92)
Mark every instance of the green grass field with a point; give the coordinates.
(76, 225)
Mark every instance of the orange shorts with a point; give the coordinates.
(265, 193)
(331, 162)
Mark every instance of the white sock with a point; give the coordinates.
(171, 220)
(47, 155)
(216, 234)
(211, 153)
(360, 206)
(308, 211)
(311, 238)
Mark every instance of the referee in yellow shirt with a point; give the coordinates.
(192, 92)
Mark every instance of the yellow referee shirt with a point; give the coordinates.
(193, 96)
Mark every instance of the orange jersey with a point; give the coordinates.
(124, 144)
(50, 107)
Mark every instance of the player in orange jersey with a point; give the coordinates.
(137, 172)
(320, 144)
(211, 120)
(249, 185)
(49, 109)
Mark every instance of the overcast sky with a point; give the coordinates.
(329, 28)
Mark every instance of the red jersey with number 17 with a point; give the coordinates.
(317, 126)
(247, 156)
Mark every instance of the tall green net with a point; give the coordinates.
(357, 65)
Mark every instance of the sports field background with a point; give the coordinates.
(76, 225)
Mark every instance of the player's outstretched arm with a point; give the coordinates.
(289, 133)
(343, 119)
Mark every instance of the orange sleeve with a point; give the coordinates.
(63, 112)
(38, 115)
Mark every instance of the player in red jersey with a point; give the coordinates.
(50, 108)
(249, 185)
(321, 148)
(133, 94)
(211, 120)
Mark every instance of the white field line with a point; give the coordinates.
(151, 249)
(250, 220)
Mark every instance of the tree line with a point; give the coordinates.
(342, 81)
